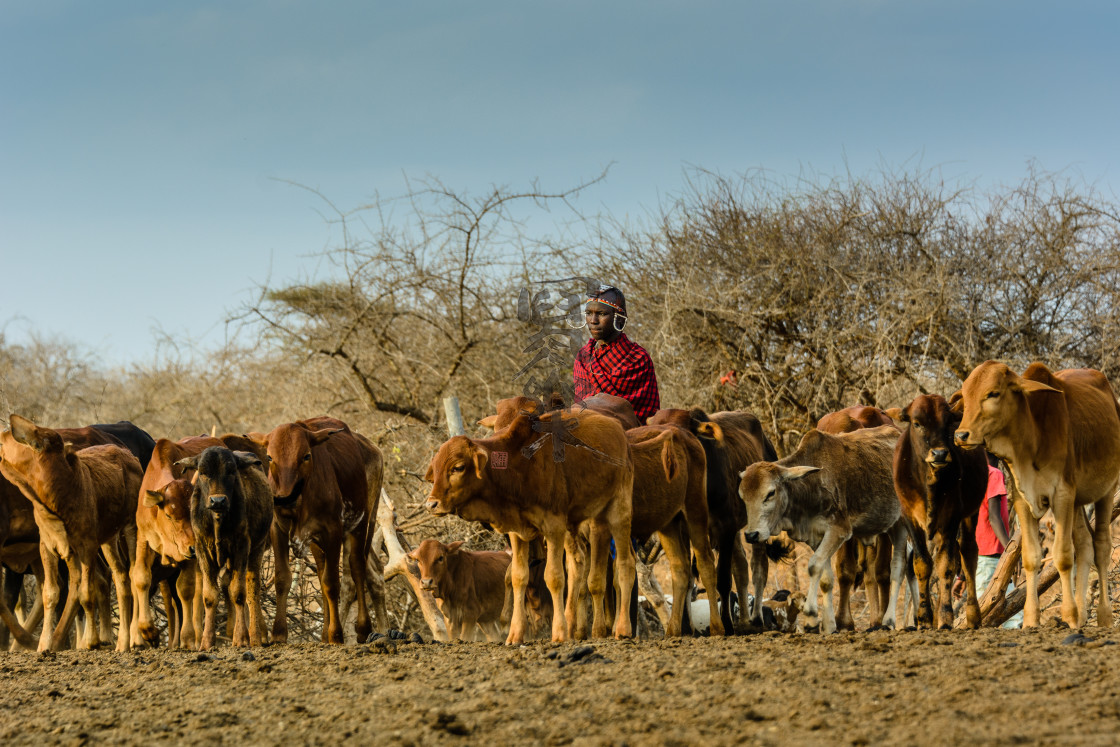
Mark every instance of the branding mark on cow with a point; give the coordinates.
(499, 459)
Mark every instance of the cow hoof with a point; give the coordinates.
(812, 629)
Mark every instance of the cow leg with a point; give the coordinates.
(575, 560)
(844, 565)
(760, 569)
(519, 580)
(898, 534)
(492, 630)
(1032, 558)
(820, 564)
(724, 564)
(697, 525)
(881, 574)
(13, 583)
(597, 577)
(626, 573)
(282, 578)
(1102, 551)
(945, 559)
(969, 554)
(358, 546)
(258, 631)
(1083, 550)
(554, 579)
(118, 566)
(681, 573)
(923, 569)
(1064, 515)
(185, 586)
(88, 598)
(55, 629)
(238, 611)
(741, 569)
(210, 603)
(173, 608)
(327, 562)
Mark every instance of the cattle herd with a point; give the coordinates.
(894, 494)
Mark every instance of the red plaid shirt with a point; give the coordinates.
(621, 368)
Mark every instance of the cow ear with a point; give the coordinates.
(246, 459)
(413, 554)
(904, 415)
(894, 413)
(796, 473)
(710, 430)
(481, 457)
(430, 475)
(318, 437)
(956, 401)
(26, 432)
(184, 464)
(454, 546)
(1029, 385)
(153, 498)
(490, 421)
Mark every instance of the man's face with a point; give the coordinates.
(600, 321)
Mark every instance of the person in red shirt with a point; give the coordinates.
(992, 534)
(610, 362)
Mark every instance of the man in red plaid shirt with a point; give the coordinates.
(610, 362)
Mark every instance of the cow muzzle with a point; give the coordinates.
(427, 584)
(938, 457)
(219, 504)
(753, 537)
(191, 554)
(961, 438)
(433, 507)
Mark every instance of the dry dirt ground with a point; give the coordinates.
(952, 687)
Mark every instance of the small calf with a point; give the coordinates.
(231, 513)
(470, 586)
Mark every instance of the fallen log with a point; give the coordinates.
(399, 564)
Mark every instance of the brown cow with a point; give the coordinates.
(470, 586)
(940, 487)
(732, 441)
(832, 488)
(164, 534)
(670, 487)
(326, 486)
(605, 404)
(1059, 435)
(526, 492)
(82, 499)
(231, 514)
(854, 557)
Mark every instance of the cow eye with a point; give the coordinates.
(268, 458)
(459, 468)
(307, 457)
(769, 496)
(439, 559)
(992, 395)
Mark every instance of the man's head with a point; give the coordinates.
(605, 313)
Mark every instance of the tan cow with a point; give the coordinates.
(670, 488)
(854, 557)
(163, 534)
(326, 486)
(1059, 435)
(469, 586)
(520, 486)
(832, 488)
(82, 499)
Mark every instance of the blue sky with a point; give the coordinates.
(145, 147)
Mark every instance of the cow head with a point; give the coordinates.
(764, 489)
(432, 558)
(457, 473)
(25, 446)
(288, 450)
(994, 396)
(931, 425)
(173, 517)
(507, 411)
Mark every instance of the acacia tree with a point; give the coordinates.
(420, 303)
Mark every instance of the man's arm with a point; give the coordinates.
(996, 520)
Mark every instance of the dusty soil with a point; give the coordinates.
(983, 687)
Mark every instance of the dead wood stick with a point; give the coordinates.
(399, 564)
